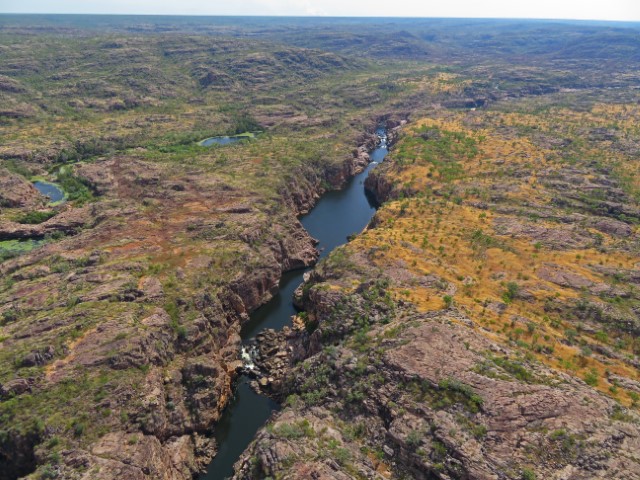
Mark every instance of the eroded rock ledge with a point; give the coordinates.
(156, 429)
(423, 395)
(409, 360)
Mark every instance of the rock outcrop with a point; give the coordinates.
(68, 222)
(172, 341)
(424, 395)
(17, 192)
(459, 337)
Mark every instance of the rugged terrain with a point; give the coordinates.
(484, 326)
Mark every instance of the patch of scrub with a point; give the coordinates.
(50, 190)
(226, 140)
(13, 248)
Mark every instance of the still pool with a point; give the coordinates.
(50, 190)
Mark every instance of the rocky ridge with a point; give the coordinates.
(189, 366)
(389, 372)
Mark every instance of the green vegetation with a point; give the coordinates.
(113, 111)
(448, 301)
(480, 242)
(591, 378)
(456, 391)
(528, 474)
(13, 248)
(517, 369)
(442, 150)
(75, 188)
(35, 217)
(511, 292)
(244, 123)
(293, 431)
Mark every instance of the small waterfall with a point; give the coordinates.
(247, 354)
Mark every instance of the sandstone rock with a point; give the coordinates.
(35, 358)
(437, 355)
(99, 175)
(612, 227)
(17, 386)
(625, 382)
(561, 276)
(11, 85)
(561, 237)
(130, 455)
(151, 288)
(69, 221)
(15, 191)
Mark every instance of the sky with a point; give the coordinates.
(624, 10)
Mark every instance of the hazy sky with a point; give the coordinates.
(564, 9)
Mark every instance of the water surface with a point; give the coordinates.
(337, 215)
(225, 140)
(50, 190)
(242, 418)
(341, 213)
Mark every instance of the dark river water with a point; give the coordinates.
(337, 215)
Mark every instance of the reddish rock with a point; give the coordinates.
(17, 192)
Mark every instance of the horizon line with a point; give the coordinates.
(210, 15)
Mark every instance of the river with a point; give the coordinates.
(337, 215)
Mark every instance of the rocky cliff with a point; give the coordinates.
(146, 310)
(466, 337)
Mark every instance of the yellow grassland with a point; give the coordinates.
(434, 237)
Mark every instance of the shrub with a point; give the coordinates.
(461, 392)
(48, 472)
(448, 301)
(413, 439)
(439, 450)
(511, 292)
(591, 378)
(35, 217)
(244, 122)
(9, 316)
(75, 188)
(517, 369)
(480, 242)
(479, 431)
(295, 430)
(528, 474)
(78, 428)
(571, 335)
